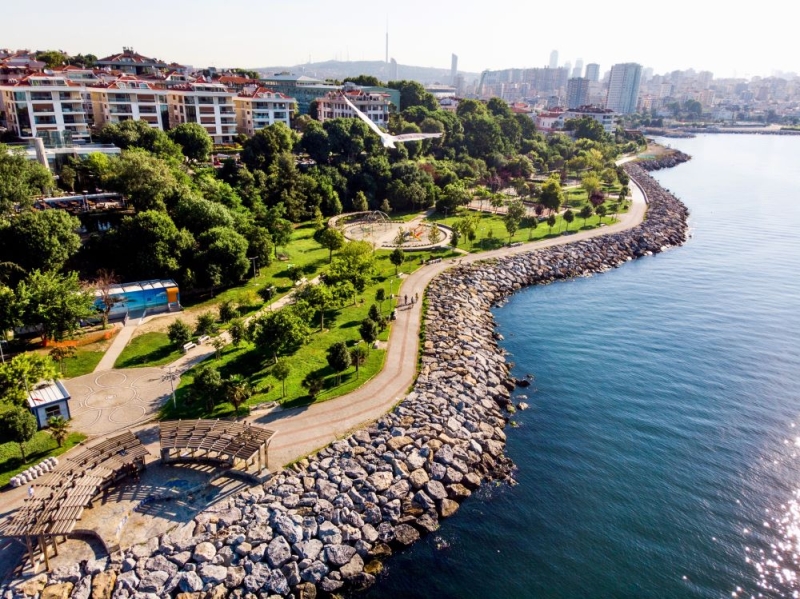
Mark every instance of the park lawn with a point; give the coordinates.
(84, 362)
(148, 349)
(492, 232)
(41, 446)
(340, 325)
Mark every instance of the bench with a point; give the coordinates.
(203, 339)
(188, 346)
(515, 244)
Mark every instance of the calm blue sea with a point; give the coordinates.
(660, 454)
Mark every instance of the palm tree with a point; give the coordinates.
(237, 391)
(59, 429)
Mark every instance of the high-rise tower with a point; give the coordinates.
(453, 69)
(554, 59)
(623, 87)
(593, 72)
(577, 92)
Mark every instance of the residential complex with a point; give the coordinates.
(374, 104)
(260, 107)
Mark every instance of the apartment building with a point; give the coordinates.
(44, 106)
(209, 104)
(259, 107)
(374, 104)
(129, 98)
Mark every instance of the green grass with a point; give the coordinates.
(255, 366)
(148, 349)
(37, 449)
(84, 362)
(492, 232)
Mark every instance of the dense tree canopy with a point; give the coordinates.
(20, 180)
(194, 140)
(43, 239)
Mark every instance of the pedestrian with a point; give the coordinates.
(30, 492)
(412, 301)
(406, 299)
(416, 295)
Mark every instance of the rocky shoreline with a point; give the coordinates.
(674, 158)
(327, 523)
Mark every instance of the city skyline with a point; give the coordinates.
(287, 34)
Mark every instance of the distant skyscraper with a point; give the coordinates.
(393, 70)
(578, 70)
(554, 59)
(453, 69)
(568, 68)
(577, 92)
(623, 87)
(593, 72)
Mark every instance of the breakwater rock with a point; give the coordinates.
(674, 158)
(328, 522)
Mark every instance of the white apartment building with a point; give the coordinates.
(209, 104)
(374, 104)
(129, 98)
(46, 106)
(259, 107)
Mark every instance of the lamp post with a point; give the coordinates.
(2, 355)
(171, 374)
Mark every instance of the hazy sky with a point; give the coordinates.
(727, 39)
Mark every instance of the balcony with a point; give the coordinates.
(43, 108)
(39, 96)
(227, 110)
(147, 110)
(121, 110)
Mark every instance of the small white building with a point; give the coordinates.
(48, 399)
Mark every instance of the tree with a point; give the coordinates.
(355, 262)
(144, 179)
(238, 331)
(513, 217)
(237, 391)
(569, 216)
(206, 324)
(591, 183)
(380, 296)
(314, 383)
(52, 58)
(218, 343)
(281, 372)
(601, 212)
(368, 331)
(434, 234)
(179, 333)
(386, 207)
(496, 200)
(22, 372)
(227, 311)
(44, 240)
(60, 353)
(551, 222)
(552, 196)
(397, 257)
(222, 250)
(18, 425)
(208, 385)
(321, 298)
(532, 222)
(104, 282)
(194, 140)
(149, 245)
(9, 311)
(339, 359)
(263, 149)
(55, 302)
(331, 239)
(58, 427)
(586, 128)
(413, 93)
(586, 212)
(20, 180)
(360, 203)
(358, 356)
(277, 332)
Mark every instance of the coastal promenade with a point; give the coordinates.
(303, 430)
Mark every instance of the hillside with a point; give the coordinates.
(337, 69)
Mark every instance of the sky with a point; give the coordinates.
(728, 40)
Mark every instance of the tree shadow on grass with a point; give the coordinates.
(156, 355)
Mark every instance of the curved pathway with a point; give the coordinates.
(301, 431)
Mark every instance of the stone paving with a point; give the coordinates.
(106, 402)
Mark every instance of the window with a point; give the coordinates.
(51, 411)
